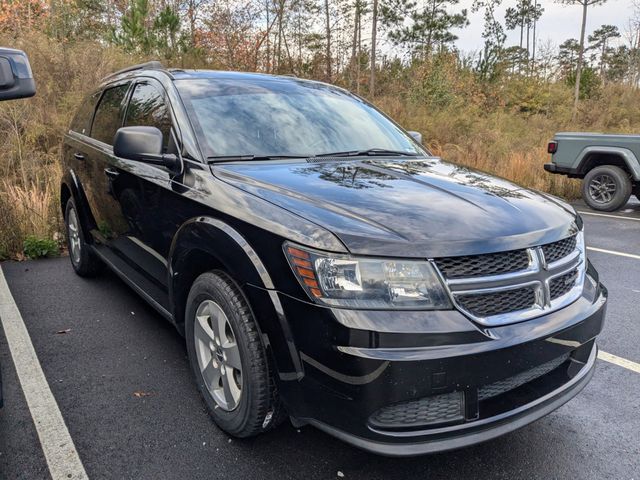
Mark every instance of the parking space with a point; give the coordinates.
(121, 380)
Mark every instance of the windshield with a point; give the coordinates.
(273, 117)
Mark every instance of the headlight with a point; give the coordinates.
(367, 283)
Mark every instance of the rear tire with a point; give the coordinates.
(606, 188)
(228, 359)
(83, 259)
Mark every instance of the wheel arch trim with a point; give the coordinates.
(626, 155)
(72, 184)
(197, 224)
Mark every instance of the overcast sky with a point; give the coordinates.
(558, 22)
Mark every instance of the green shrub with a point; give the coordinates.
(35, 247)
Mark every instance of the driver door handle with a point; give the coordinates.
(112, 173)
(78, 156)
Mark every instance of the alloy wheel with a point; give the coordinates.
(73, 226)
(218, 355)
(602, 188)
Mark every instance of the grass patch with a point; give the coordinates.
(34, 247)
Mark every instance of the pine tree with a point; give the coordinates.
(429, 27)
(585, 5)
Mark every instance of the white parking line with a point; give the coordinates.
(609, 216)
(613, 252)
(59, 451)
(621, 362)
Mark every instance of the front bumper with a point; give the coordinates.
(464, 435)
(354, 364)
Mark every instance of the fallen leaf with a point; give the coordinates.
(62, 332)
(141, 394)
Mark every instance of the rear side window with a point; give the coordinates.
(108, 116)
(148, 108)
(81, 123)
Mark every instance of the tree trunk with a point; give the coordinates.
(354, 44)
(576, 95)
(359, 51)
(192, 22)
(521, 30)
(430, 32)
(268, 39)
(602, 65)
(374, 26)
(279, 48)
(535, 21)
(328, 32)
(528, 47)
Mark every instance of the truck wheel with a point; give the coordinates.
(83, 259)
(228, 358)
(606, 188)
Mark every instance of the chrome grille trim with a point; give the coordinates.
(538, 275)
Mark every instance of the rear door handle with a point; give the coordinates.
(111, 173)
(78, 156)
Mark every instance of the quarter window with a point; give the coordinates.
(81, 123)
(147, 108)
(108, 116)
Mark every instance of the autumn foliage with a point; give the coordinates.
(498, 121)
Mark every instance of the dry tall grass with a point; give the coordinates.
(501, 128)
(29, 210)
(31, 131)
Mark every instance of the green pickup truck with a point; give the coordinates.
(608, 164)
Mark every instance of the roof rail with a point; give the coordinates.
(153, 65)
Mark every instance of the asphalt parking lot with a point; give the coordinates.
(120, 377)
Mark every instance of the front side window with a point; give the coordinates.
(148, 108)
(271, 117)
(108, 117)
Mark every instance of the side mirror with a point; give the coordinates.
(143, 144)
(417, 136)
(16, 79)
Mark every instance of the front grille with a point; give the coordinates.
(562, 284)
(502, 386)
(483, 265)
(558, 250)
(497, 303)
(491, 288)
(437, 409)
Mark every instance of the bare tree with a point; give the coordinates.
(328, 34)
(585, 4)
(374, 27)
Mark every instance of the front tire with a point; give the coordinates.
(228, 358)
(606, 188)
(83, 259)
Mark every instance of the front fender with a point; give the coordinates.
(232, 253)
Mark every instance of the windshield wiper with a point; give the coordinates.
(235, 158)
(370, 152)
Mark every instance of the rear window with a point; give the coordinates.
(108, 117)
(81, 123)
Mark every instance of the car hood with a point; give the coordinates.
(407, 207)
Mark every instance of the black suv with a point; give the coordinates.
(322, 265)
